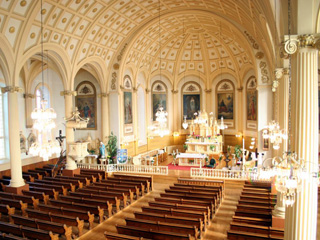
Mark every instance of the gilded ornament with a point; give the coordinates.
(72, 46)
(55, 37)
(291, 46)
(64, 20)
(32, 35)
(11, 30)
(81, 27)
(23, 3)
(78, 1)
(306, 40)
(43, 11)
(259, 55)
(116, 66)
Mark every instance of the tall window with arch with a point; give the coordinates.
(42, 92)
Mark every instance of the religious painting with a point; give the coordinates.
(158, 100)
(127, 99)
(23, 143)
(86, 102)
(252, 105)
(265, 144)
(225, 105)
(191, 104)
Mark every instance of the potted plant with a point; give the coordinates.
(112, 148)
(238, 151)
(185, 147)
(212, 147)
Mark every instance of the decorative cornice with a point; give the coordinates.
(306, 40)
(28, 95)
(264, 72)
(240, 89)
(101, 95)
(208, 90)
(292, 43)
(68, 93)
(11, 89)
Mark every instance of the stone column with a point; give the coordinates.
(28, 108)
(301, 218)
(105, 116)
(14, 136)
(68, 97)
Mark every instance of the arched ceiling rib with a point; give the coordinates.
(86, 28)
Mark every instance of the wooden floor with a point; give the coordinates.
(219, 225)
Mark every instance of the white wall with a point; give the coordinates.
(141, 111)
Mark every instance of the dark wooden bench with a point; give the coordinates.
(156, 235)
(37, 195)
(30, 200)
(252, 220)
(257, 203)
(257, 208)
(41, 173)
(260, 199)
(47, 190)
(8, 236)
(256, 229)
(90, 177)
(26, 177)
(237, 235)
(253, 213)
(58, 218)
(133, 188)
(177, 212)
(148, 178)
(120, 195)
(209, 189)
(171, 219)
(59, 228)
(93, 209)
(35, 175)
(17, 204)
(163, 226)
(28, 232)
(108, 181)
(66, 185)
(117, 189)
(202, 182)
(100, 173)
(75, 183)
(259, 194)
(117, 236)
(85, 181)
(7, 210)
(200, 209)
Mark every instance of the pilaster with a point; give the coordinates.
(105, 115)
(28, 108)
(175, 101)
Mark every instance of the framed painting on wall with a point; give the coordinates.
(191, 104)
(86, 102)
(127, 99)
(225, 105)
(158, 100)
(252, 105)
(265, 144)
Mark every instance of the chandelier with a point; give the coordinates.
(273, 132)
(161, 118)
(45, 146)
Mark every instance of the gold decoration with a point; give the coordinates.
(116, 66)
(64, 20)
(55, 37)
(11, 89)
(78, 1)
(43, 11)
(306, 40)
(11, 30)
(72, 46)
(23, 3)
(259, 55)
(94, 10)
(81, 27)
(32, 35)
(68, 93)
(84, 50)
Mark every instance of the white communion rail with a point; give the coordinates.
(127, 168)
(227, 174)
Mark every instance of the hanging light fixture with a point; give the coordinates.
(44, 119)
(185, 123)
(275, 82)
(274, 134)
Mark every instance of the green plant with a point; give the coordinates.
(185, 147)
(229, 149)
(112, 148)
(212, 147)
(237, 151)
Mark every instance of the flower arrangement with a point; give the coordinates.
(212, 147)
(197, 136)
(185, 147)
(209, 136)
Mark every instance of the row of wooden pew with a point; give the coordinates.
(253, 216)
(181, 212)
(64, 205)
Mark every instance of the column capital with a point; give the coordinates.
(68, 93)
(11, 89)
(278, 73)
(134, 89)
(208, 90)
(28, 95)
(147, 90)
(293, 42)
(174, 91)
(101, 95)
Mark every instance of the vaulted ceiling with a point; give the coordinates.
(201, 35)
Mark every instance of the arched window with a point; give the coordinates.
(42, 92)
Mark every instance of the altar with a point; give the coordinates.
(212, 145)
(191, 159)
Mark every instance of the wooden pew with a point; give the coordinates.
(47, 190)
(187, 202)
(253, 213)
(211, 189)
(30, 200)
(117, 236)
(66, 185)
(17, 204)
(120, 195)
(181, 207)
(256, 229)
(7, 210)
(90, 202)
(41, 173)
(259, 194)
(260, 199)
(58, 218)
(35, 175)
(90, 177)
(59, 228)
(177, 212)
(94, 209)
(145, 183)
(8, 236)
(46, 169)
(108, 181)
(256, 208)
(203, 182)
(155, 235)
(26, 177)
(171, 219)
(85, 181)
(74, 182)
(136, 177)
(120, 189)
(163, 226)
(236, 235)
(105, 198)
(28, 232)
(198, 193)
(100, 173)
(252, 220)
(37, 195)
(133, 188)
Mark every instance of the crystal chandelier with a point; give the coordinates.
(185, 123)
(273, 132)
(43, 123)
(45, 146)
(161, 118)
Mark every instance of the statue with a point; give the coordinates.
(102, 150)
